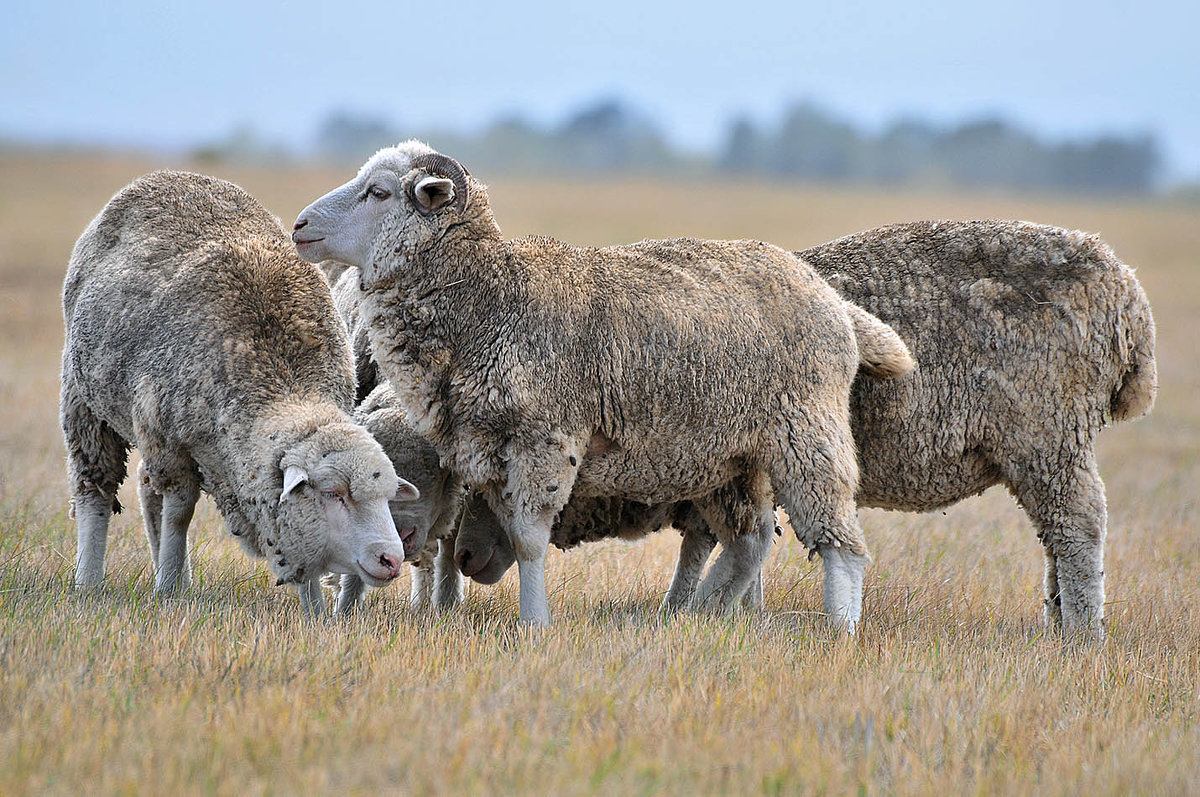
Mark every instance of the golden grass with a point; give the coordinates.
(950, 686)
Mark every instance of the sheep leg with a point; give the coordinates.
(695, 548)
(420, 596)
(738, 565)
(753, 599)
(174, 566)
(151, 502)
(843, 586)
(312, 598)
(96, 457)
(529, 534)
(1052, 611)
(92, 513)
(447, 581)
(1066, 503)
(815, 481)
(351, 589)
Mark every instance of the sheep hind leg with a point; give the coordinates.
(151, 502)
(818, 494)
(1052, 611)
(96, 457)
(694, 549)
(1066, 503)
(174, 572)
(738, 567)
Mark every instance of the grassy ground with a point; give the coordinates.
(950, 686)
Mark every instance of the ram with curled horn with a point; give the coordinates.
(444, 166)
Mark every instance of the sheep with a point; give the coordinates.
(657, 371)
(427, 525)
(1030, 340)
(195, 334)
(986, 306)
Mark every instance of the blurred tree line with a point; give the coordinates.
(813, 144)
(809, 143)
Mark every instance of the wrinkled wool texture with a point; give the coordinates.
(1029, 339)
(581, 520)
(194, 333)
(657, 371)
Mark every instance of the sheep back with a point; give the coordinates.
(1024, 335)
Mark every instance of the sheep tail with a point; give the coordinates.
(881, 352)
(1138, 385)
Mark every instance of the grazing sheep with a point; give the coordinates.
(194, 333)
(427, 525)
(654, 372)
(1029, 338)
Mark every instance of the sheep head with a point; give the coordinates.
(411, 455)
(402, 199)
(333, 508)
(482, 549)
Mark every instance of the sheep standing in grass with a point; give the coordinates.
(654, 372)
(194, 333)
(1030, 339)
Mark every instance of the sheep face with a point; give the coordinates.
(402, 198)
(333, 510)
(482, 549)
(417, 460)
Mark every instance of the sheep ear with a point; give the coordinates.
(407, 491)
(430, 193)
(293, 477)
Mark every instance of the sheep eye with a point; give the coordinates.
(333, 495)
(379, 192)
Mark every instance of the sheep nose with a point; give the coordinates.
(300, 223)
(461, 557)
(391, 563)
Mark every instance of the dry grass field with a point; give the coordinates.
(950, 687)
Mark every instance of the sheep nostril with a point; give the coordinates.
(461, 558)
(390, 563)
(299, 223)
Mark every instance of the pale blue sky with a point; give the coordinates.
(176, 74)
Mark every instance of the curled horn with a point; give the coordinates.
(445, 166)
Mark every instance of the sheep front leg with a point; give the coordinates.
(351, 589)
(420, 595)
(174, 564)
(312, 598)
(530, 537)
